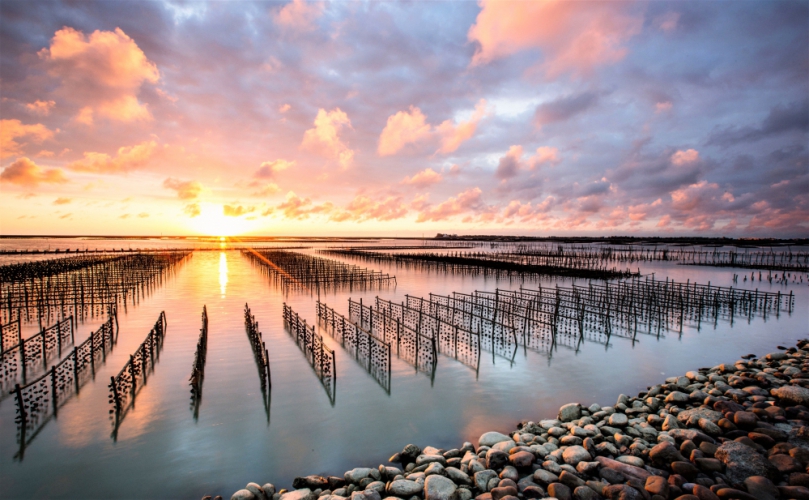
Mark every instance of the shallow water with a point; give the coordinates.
(161, 451)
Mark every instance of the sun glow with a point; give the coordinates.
(212, 221)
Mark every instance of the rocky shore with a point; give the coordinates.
(737, 431)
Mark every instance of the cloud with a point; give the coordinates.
(667, 22)
(268, 169)
(411, 127)
(265, 190)
(143, 215)
(564, 108)
(41, 108)
(62, 201)
(324, 138)
(124, 216)
(299, 15)
(423, 178)
(363, 208)
(103, 72)
(544, 155)
(452, 135)
(192, 210)
(25, 172)
(509, 164)
(236, 211)
(299, 208)
(186, 190)
(401, 129)
(126, 159)
(462, 202)
(284, 108)
(10, 130)
(573, 37)
(686, 157)
(663, 106)
(781, 119)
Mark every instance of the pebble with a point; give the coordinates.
(733, 431)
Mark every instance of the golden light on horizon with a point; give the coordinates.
(212, 221)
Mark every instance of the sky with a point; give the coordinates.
(405, 118)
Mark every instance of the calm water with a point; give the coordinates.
(162, 452)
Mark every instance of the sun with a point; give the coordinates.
(212, 221)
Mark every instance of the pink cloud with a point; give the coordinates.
(268, 169)
(684, 157)
(25, 172)
(295, 207)
(411, 127)
(103, 72)
(402, 128)
(509, 164)
(324, 137)
(424, 178)
(186, 190)
(299, 15)
(689, 198)
(11, 130)
(41, 108)
(126, 159)
(544, 155)
(573, 37)
(663, 107)
(363, 208)
(667, 22)
(463, 202)
(453, 135)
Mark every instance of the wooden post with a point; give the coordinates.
(54, 394)
(76, 368)
(23, 413)
(132, 373)
(116, 398)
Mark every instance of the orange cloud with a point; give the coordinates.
(268, 169)
(403, 128)
(126, 159)
(192, 210)
(25, 172)
(685, 157)
(265, 190)
(42, 108)
(236, 211)
(573, 37)
(299, 14)
(424, 178)
(11, 130)
(62, 201)
(363, 208)
(452, 136)
(186, 190)
(465, 201)
(324, 138)
(103, 71)
(299, 208)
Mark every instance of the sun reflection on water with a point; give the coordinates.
(223, 273)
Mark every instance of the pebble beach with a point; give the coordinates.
(733, 431)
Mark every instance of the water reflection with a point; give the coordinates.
(223, 273)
